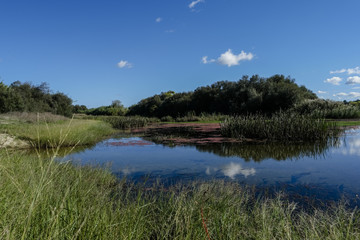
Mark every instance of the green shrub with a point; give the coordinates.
(167, 119)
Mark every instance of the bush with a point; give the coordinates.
(167, 119)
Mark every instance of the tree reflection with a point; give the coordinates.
(277, 151)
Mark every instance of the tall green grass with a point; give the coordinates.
(41, 198)
(281, 127)
(65, 133)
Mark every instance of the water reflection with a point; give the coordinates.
(351, 147)
(331, 165)
(233, 169)
(277, 151)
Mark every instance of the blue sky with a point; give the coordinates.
(99, 51)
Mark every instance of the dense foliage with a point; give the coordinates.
(25, 97)
(248, 95)
(115, 109)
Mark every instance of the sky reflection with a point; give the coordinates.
(231, 170)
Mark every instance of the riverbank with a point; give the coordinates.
(15, 133)
(44, 199)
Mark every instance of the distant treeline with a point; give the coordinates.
(25, 97)
(248, 95)
(254, 95)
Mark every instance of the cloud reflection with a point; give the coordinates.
(351, 147)
(232, 169)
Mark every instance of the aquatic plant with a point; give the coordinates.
(280, 126)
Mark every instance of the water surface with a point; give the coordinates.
(326, 168)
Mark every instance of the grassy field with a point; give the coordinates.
(44, 199)
(64, 132)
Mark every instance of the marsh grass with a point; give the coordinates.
(280, 127)
(65, 133)
(44, 199)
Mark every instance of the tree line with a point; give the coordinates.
(248, 95)
(26, 97)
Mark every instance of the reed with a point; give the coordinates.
(280, 127)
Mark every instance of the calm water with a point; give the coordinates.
(327, 168)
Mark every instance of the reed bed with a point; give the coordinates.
(280, 127)
(41, 198)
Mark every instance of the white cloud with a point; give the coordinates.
(341, 94)
(355, 88)
(349, 71)
(229, 59)
(333, 80)
(206, 61)
(348, 95)
(321, 92)
(354, 94)
(338, 71)
(353, 80)
(159, 19)
(193, 3)
(124, 64)
(170, 31)
(353, 70)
